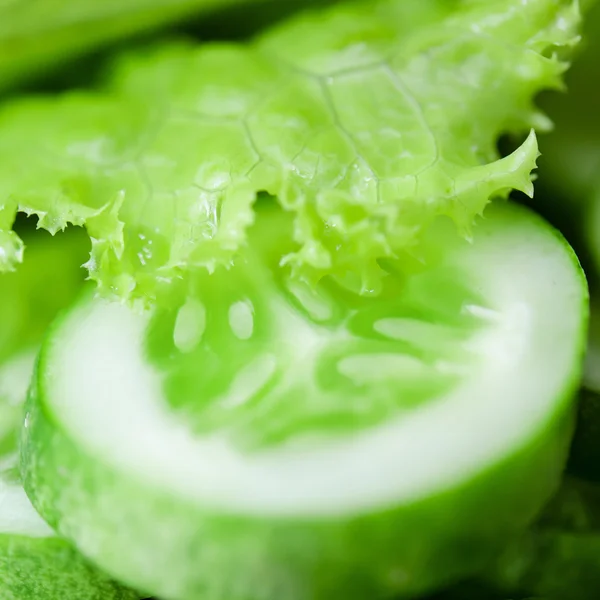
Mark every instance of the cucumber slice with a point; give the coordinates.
(34, 562)
(14, 379)
(262, 444)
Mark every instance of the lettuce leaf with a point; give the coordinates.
(36, 34)
(365, 121)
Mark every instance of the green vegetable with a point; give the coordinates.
(34, 562)
(37, 34)
(559, 557)
(263, 442)
(366, 121)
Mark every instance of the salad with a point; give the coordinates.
(281, 317)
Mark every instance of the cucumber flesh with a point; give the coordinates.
(14, 379)
(17, 516)
(166, 492)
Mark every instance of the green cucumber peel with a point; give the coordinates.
(163, 163)
(34, 562)
(184, 509)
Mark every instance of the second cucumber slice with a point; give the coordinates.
(35, 563)
(267, 440)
